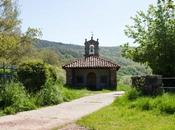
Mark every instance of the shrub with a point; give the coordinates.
(49, 95)
(14, 99)
(132, 94)
(125, 80)
(34, 74)
(57, 74)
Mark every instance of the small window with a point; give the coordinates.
(79, 79)
(103, 79)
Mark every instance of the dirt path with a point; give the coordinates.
(59, 115)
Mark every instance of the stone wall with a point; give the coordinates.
(113, 77)
(69, 77)
(101, 74)
(148, 85)
(96, 47)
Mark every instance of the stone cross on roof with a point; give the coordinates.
(92, 35)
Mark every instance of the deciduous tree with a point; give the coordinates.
(13, 43)
(154, 35)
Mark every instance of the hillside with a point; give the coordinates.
(69, 52)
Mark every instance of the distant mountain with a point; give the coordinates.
(69, 52)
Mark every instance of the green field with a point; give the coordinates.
(143, 113)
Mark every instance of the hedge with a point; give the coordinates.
(34, 74)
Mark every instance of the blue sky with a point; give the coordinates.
(71, 21)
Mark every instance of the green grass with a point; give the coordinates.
(142, 113)
(71, 94)
(123, 87)
(113, 118)
(14, 98)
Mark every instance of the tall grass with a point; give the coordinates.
(50, 94)
(163, 104)
(123, 87)
(13, 98)
(69, 94)
(134, 111)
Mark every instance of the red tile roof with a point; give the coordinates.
(91, 62)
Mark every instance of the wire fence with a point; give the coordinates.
(168, 83)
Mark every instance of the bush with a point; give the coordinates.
(34, 75)
(14, 99)
(57, 74)
(132, 94)
(49, 95)
(125, 80)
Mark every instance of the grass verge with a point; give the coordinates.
(71, 94)
(14, 98)
(140, 113)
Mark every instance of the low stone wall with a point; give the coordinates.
(148, 85)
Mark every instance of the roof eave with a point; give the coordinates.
(64, 67)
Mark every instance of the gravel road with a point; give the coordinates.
(59, 115)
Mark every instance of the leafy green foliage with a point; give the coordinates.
(49, 56)
(46, 55)
(13, 43)
(124, 80)
(153, 32)
(14, 99)
(49, 95)
(33, 75)
(132, 94)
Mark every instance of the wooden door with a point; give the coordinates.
(91, 80)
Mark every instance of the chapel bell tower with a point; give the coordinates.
(91, 47)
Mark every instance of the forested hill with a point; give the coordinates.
(68, 52)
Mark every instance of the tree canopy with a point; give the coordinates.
(154, 35)
(13, 43)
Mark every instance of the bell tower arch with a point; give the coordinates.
(91, 47)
